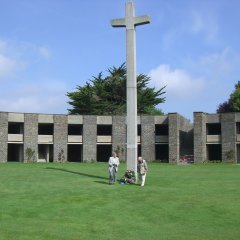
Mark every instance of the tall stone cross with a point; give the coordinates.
(130, 22)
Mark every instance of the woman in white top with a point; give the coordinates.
(113, 168)
(142, 169)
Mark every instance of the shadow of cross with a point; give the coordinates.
(79, 173)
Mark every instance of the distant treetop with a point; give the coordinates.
(107, 95)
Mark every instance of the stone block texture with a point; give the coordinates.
(89, 138)
(3, 136)
(199, 137)
(119, 140)
(60, 138)
(31, 134)
(184, 137)
(148, 137)
(228, 130)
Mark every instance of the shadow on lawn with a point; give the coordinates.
(79, 173)
(102, 182)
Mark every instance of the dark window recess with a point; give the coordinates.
(45, 151)
(75, 129)
(15, 128)
(104, 130)
(139, 130)
(161, 129)
(162, 152)
(15, 152)
(75, 153)
(214, 152)
(45, 129)
(104, 152)
(139, 150)
(213, 129)
(238, 127)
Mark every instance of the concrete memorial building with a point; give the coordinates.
(26, 137)
(88, 138)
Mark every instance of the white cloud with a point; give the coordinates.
(198, 23)
(215, 66)
(14, 56)
(7, 66)
(220, 62)
(3, 46)
(38, 98)
(216, 75)
(45, 52)
(179, 83)
(205, 24)
(35, 104)
(28, 94)
(10, 64)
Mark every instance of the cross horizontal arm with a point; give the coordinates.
(141, 20)
(120, 22)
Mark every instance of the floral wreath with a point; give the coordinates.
(129, 177)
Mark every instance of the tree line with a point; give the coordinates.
(107, 95)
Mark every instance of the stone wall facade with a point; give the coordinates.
(3, 136)
(89, 138)
(60, 138)
(228, 130)
(31, 135)
(184, 138)
(199, 137)
(148, 137)
(119, 132)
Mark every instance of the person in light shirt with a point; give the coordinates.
(113, 168)
(142, 169)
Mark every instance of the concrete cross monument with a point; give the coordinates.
(130, 22)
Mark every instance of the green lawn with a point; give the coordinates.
(74, 201)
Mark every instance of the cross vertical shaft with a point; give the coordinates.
(130, 22)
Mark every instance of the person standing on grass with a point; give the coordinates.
(142, 169)
(113, 168)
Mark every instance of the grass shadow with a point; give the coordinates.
(102, 182)
(79, 173)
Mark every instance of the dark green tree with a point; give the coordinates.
(233, 103)
(235, 98)
(107, 95)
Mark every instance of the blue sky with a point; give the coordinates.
(48, 47)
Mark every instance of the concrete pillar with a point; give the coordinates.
(130, 22)
(60, 138)
(174, 144)
(199, 137)
(148, 137)
(119, 135)
(3, 136)
(228, 129)
(31, 135)
(89, 138)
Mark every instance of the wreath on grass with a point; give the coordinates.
(129, 177)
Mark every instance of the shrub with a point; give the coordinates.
(30, 154)
(61, 157)
(230, 156)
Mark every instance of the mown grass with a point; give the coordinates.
(74, 201)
